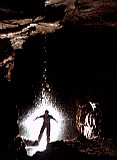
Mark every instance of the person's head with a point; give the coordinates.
(46, 112)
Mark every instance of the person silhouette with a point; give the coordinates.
(46, 125)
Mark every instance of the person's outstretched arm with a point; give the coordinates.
(54, 119)
(38, 117)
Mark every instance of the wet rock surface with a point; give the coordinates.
(80, 148)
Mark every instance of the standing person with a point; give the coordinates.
(46, 124)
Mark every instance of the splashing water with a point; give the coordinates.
(30, 129)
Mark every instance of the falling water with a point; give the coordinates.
(29, 129)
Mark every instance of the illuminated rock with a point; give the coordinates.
(88, 119)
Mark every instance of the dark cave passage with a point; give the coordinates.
(80, 63)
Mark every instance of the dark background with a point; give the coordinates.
(80, 62)
(34, 7)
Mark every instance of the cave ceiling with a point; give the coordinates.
(19, 21)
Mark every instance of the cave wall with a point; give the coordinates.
(8, 109)
(82, 63)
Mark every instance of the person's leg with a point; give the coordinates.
(48, 134)
(41, 133)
